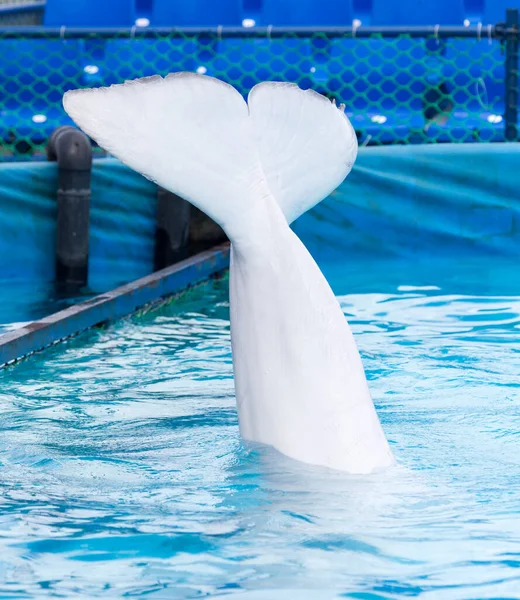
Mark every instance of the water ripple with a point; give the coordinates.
(123, 473)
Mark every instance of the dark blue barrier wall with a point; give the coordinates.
(429, 200)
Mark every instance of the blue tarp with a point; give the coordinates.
(451, 200)
(445, 199)
(122, 223)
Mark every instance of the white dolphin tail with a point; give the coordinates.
(300, 383)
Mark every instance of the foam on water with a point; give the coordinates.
(123, 472)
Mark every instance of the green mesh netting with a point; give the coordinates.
(396, 90)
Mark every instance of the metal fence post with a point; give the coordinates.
(511, 76)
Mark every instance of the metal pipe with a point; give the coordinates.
(511, 77)
(72, 150)
(479, 32)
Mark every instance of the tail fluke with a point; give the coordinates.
(307, 145)
(188, 133)
(196, 136)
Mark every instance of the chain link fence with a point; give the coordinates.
(415, 87)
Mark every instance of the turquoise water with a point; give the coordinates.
(123, 473)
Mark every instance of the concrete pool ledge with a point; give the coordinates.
(112, 305)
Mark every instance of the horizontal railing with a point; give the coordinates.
(491, 31)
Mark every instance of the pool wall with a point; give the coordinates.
(399, 200)
(449, 199)
(113, 305)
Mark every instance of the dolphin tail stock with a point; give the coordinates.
(196, 136)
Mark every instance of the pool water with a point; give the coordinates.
(123, 473)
